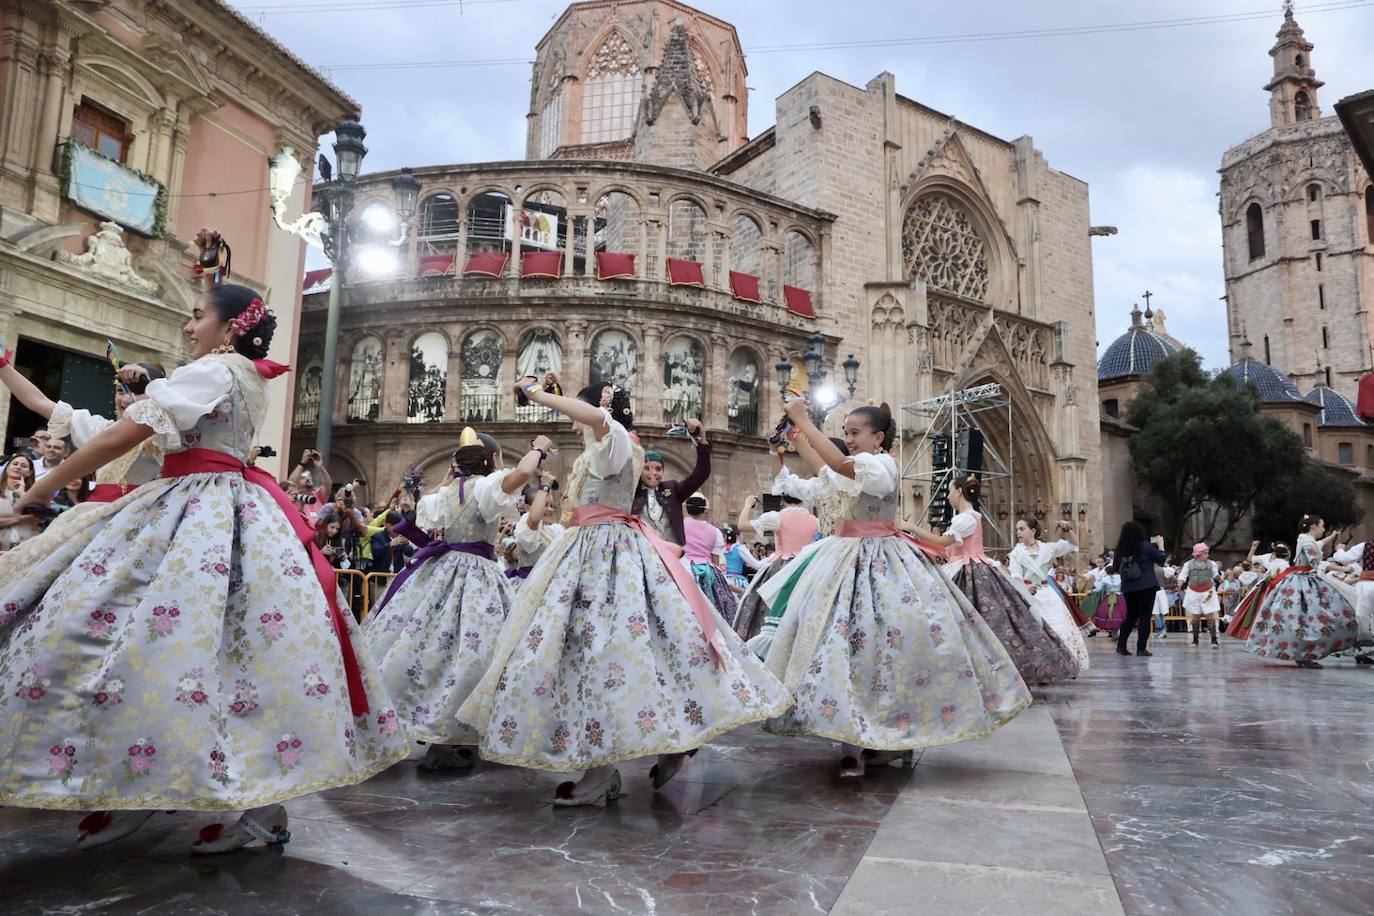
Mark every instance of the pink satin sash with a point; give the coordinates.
(857, 528)
(670, 554)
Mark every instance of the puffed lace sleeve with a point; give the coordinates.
(807, 489)
(1349, 556)
(80, 424)
(492, 500)
(427, 512)
(175, 404)
(961, 526)
(766, 522)
(1062, 548)
(874, 475)
(607, 457)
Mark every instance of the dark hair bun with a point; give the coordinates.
(230, 300)
(971, 487)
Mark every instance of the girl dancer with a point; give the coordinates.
(1199, 577)
(535, 531)
(1302, 617)
(1032, 564)
(183, 649)
(1040, 655)
(1357, 562)
(611, 652)
(880, 650)
(793, 530)
(704, 548)
(434, 632)
(1267, 567)
(739, 562)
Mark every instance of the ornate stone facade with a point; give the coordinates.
(1297, 213)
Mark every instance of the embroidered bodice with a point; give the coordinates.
(1308, 552)
(1037, 566)
(608, 470)
(217, 402)
(967, 530)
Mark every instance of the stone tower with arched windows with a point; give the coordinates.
(1297, 214)
(653, 81)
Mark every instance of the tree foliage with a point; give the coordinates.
(1203, 449)
(1314, 490)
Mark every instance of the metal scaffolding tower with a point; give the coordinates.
(943, 425)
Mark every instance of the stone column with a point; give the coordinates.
(161, 125)
(650, 393)
(505, 381)
(395, 377)
(575, 370)
(52, 64)
(453, 382)
(717, 383)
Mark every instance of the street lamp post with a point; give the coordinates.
(335, 204)
(822, 394)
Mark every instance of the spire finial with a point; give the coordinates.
(1135, 315)
(1287, 9)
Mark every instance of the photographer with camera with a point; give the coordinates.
(309, 497)
(659, 501)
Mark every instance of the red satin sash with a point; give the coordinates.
(670, 554)
(857, 528)
(109, 492)
(208, 461)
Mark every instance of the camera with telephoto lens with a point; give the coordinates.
(306, 499)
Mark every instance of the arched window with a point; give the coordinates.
(742, 401)
(1314, 191)
(365, 381)
(687, 231)
(480, 397)
(1268, 357)
(428, 378)
(941, 244)
(541, 353)
(610, 94)
(307, 409)
(614, 359)
(1302, 106)
(798, 261)
(1369, 214)
(438, 235)
(746, 251)
(1254, 230)
(684, 371)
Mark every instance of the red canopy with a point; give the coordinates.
(314, 278)
(798, 301)
(612, 265)
(745, 286)
(436, 265)
(684, 273)
(486, 264)
(542, 264)
(1364, 404)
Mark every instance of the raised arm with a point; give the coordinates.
(535, 516)
(824, 449)
(23, 389)
(577, 410)
(123, 436)
(745, 513)
(701, 470)
(528, 465)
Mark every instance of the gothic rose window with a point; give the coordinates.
(941, 245)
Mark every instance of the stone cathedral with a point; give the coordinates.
(1297, 213)
(647, 238)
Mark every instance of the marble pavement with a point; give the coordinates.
(1198, 781)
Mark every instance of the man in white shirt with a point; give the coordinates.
(55, 450)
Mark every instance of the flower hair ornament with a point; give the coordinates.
(250, 318)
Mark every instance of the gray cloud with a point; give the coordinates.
(1142, 116)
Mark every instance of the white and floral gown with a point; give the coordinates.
(178, 652)
(134, 468)
(1303, 617)
(434, 637)
(602, 659)
(1036, 568)
(530, 545)
(878, 646)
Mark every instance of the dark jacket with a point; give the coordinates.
(672, 493)
(1146, 558)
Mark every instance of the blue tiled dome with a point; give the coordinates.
(1274, 387)
(1133, 353)
(1337, 409)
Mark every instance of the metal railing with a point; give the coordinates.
(479, 407)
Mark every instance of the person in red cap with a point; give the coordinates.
(1198, 578)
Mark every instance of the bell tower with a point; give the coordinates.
(1293, 90)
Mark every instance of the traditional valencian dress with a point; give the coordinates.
(1040, 655)
(703, 542)
(1248, 606)
(1035, 567)
(178, 651)
(881, 651)
(611, 652)
(793, 529)
(1302, 617)
(530, 545)
(126, 473)
(434, 633)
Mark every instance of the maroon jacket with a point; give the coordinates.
(672, 493)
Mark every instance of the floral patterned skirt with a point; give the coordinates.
(713, 583)
(883, 652)
(602, 660)
(175, 651)
(1247, 607)
(1050, 606)
(434, 640)
(752, 608)
(1040, 655)
(1302, 617)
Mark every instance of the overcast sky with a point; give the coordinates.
(1142, 115)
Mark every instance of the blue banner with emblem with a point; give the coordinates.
(104, 187)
